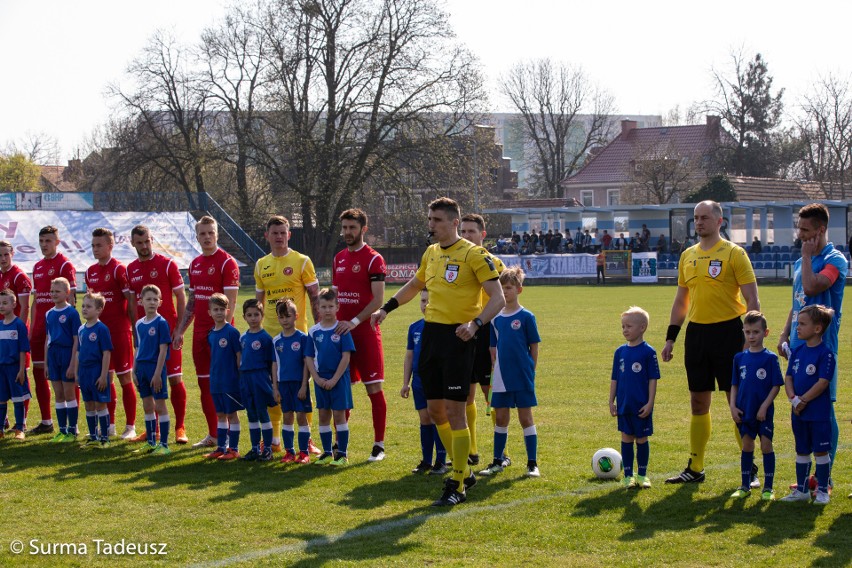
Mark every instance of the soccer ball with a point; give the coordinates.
(606, 463)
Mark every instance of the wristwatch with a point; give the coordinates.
(478, 323)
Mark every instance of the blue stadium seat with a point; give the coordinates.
(757, 265)
(785, 257)
(785, 248)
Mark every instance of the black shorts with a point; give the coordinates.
(709, 350)
(482, 364)
(446, 362)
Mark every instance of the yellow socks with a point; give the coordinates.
(276, 417)
(461, 447)
(699, 435)
(446, 435)
(470, 410)
(738, 437)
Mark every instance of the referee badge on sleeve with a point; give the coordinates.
(715, 268)
(451, 273)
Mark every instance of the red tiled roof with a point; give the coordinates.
(54, 178)
(612, 164)
(532, 203)
(770, 189)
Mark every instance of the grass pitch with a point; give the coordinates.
(81, 504)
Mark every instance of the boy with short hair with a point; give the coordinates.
(755, 382)
(411, 384)
(809, 372)
(257, 367)
(60, 350)
(153, 340)
(14, 346)
(290, 387)
(514, 348)
(91, 369)
(632, 390)
(224, 341)
(327, 359)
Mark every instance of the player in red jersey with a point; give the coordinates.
(359, 276)
(154, 268)
(214, 271)
(14, 279)
(53, 265)
(109, 277)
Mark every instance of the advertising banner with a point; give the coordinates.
(643, 267)
(400, 273)
(553, 265)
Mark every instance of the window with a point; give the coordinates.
(613, 196)
(390, 204)
(587, 198)
(620, 220)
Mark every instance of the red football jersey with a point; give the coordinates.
(111, 281)
(165, 275)
(44, 271)
(354, 272)
(209, 275)
(16, 280)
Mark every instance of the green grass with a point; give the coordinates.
(271, 514)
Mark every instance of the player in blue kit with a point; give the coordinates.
(290, 388)
(91, 369)
(411, 384)
(327, 359)
(812, 364)
(14, 346)
(257, 367)
(756, 380)
(153, 339)
(60, 349)
(224, 341)
(514, 348)
(632, 391)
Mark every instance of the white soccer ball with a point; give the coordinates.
(606, 463)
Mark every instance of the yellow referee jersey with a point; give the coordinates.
(454, 277)
(284, 277)
(714, 278)
(498, 264)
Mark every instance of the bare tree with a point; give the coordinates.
(825, 129)
(660, 173)
(37, 147)
(553, 98)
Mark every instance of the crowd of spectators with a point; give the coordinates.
(584, 241)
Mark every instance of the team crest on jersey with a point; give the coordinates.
(13, 334)
(93, 336)
(62, 318)
(255, 345)
(761, 374)
(288, 271)
(51, 272)
(516, 324)
(335, 338)
(451, 273)
(106, 278)
(636, 367)
(295, 346)
(800, 299)
(356, 268)
(153, 274)
(152, 332)
(211, 271)
(810, 369)
(223, 342)
(715, 268)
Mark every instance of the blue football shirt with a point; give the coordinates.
(149, 336)
(327, 348)
(415, 331)
(807, 366)
(633, 368)
(224, 346)
(93, 341)
(512, 333)
(62, 326)
(258, 353)
(754, 375)
(290, 355)
(13, 341)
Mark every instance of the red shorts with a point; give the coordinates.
(367, 362)
(201, 355)
(175, 363)
(121, 360)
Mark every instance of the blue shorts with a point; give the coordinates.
(289, 391)
(10, 388)
(256, 389)
(513, 399)
(227, 402)
(144, 374)
(755, 428)
(417, 393)
(338, 398)
(58, 361)
(88, 377)
(632, 425)
(811, 436)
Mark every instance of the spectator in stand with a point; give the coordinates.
(606, 241)
(756, 246)
(556, 242)
(534, 240)
(569, 244)
(516, 238)
(578, 240)
(661, 244)
(636, 243)
(620, 243)
(587, 242)
(646, 236)
(675, 247)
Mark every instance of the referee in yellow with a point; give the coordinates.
(454, 271)
(711, 276)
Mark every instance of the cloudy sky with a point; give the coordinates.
(59, 55)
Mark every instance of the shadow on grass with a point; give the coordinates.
(837, 541)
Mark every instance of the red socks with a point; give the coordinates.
(207, 406)
(380, 414)
(178, 394)
(128, 400)
(111, 403)
(42, 388)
